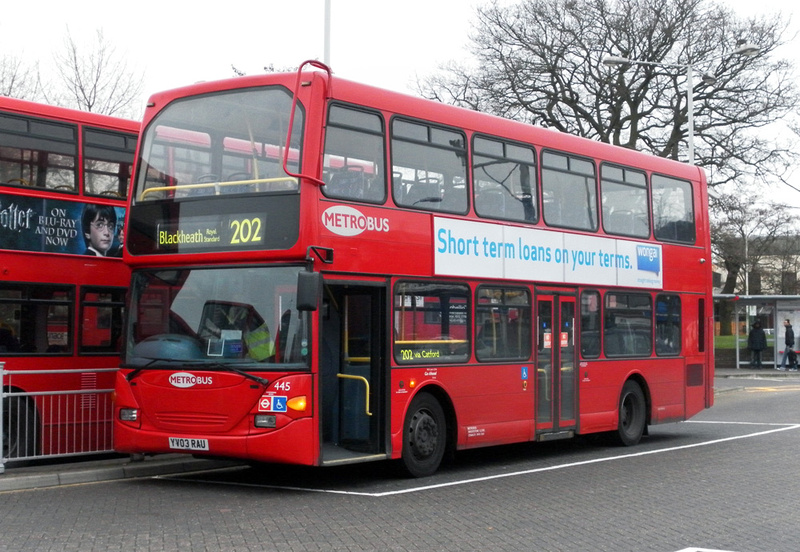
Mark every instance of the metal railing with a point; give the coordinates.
(54, 423)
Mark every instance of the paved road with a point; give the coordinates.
(725, 481)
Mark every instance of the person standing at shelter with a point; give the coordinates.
(756, 342)
(788, 350)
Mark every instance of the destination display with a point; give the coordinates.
(212, 231)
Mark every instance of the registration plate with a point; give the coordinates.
(183, 443)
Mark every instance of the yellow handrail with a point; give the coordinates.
(216, 185)
(359, 378)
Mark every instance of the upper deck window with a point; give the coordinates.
(673, 210)
(429, 167)
(624, 200)
(38, 153)
(504, 176)
(354, 160)
(108, 159)
(226, 143)
(569, 192)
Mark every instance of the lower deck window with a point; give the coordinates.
(101, 320)
(36, 319)
(431, 322)
(628, 325)
(502, 324)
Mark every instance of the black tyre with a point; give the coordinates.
(19, 428)
(424, 436)
(632, 415)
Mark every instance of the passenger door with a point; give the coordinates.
(351, 373)
(556, 365)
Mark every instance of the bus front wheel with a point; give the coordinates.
(424, 436)
(632, 415)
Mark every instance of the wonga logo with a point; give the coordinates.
(648, 258)
(348, 221)
(185, 379)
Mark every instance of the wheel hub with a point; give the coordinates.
(424, 434)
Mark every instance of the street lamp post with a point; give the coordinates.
(743, 50)
(326, 54)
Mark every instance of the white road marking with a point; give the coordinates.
(702, 550)
(777, 429)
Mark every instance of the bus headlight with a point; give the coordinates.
(269, 421)
(129, 414)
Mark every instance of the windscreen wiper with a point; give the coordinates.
(152, 361)
(216, 365)
(232, 368)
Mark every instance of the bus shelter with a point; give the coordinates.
(771, 311)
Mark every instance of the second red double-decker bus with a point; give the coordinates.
(64, 178)
(325, 272)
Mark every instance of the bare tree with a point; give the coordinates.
(541, 61)
(97, 79)
(267, 69)
(780, 274)
(744, 231)
(18, 80)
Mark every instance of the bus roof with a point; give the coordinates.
(73, 115)
(445, 114)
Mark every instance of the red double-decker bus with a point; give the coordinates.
(64, 178)
(325, 272)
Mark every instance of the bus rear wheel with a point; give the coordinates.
(424, 436)
(632, 415)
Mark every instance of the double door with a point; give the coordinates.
(556, 365)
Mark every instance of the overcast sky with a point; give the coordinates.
(387, 43)
(175, 42)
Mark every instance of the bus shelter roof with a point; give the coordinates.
(776, 300)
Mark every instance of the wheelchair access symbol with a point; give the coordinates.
(272, 403)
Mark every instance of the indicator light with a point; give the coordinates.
(297, 403)
(412, 383)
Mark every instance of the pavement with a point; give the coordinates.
(111, 467)
(107, 467)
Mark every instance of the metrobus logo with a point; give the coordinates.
(349, 221)
(185, 380)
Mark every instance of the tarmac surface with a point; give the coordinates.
(109, 467)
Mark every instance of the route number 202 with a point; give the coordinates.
(246, 231)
